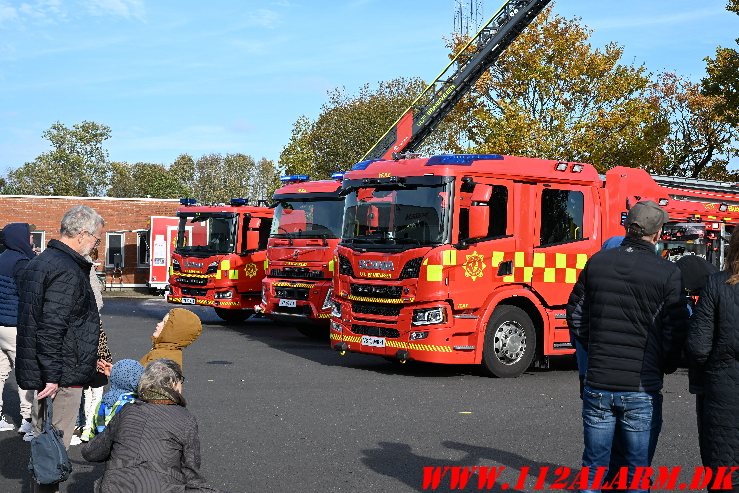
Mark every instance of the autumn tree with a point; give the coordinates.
(723, 78)
(77, 163)
(552, 95)
(346, 128)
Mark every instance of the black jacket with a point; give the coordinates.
(629, 309)
(17, 254)
(713, 345)
(58, 321)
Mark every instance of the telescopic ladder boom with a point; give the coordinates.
(438, 99)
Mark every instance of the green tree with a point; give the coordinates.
(215, 178)
(265, 181)
(346, 128)
(699, 142)
(144, 180)
(182, 171)
(551, 95)
(77, 163)
(723, 77)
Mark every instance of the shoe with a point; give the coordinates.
(29, 436)
(25, 427)
(5, 426)
(75, 440)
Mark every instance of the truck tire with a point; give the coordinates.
(233, 316)
(510, 342)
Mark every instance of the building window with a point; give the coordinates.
(142, 257)
(39, 240)
(114, 250)
(561, 216)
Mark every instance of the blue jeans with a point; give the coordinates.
(638, 418)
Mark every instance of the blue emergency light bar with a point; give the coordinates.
(188, 201)
(237, 202)
(294, 178)
(338, 176)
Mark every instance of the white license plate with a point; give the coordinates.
(188, 301)
(288, 303)
(373, 341)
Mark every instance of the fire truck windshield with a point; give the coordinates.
(308, 218)
(204, 234)
(397, 217)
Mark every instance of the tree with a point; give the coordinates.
(699, 143)
(182, 172)
(77, 163)
(266, 180)
(346, 128)
(144, 180)
(551, 95)
(723, 78)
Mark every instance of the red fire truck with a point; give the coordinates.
(300, 253)
(470, 259)
(220, 256)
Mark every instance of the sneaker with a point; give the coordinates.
(75, 440)
(25, 427)
(5, 426)
(29, 436)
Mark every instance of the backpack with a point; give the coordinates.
(49, 462)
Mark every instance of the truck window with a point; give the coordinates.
(498, 215)
(561, 216)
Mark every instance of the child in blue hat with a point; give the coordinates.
(124, 379)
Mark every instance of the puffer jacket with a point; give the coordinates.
(58, 321)
(628, 308)
(180, 330)
(16, 256)
(713, 345)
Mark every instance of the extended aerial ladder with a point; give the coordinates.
(438, 99)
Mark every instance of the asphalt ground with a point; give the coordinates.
(278, 412)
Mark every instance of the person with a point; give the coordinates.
(58, 322)
(713, 348)
(632, 318)
(124, 380)
(151, 444)
(178, 329)
(19, 251)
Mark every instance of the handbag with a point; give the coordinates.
(49, 462)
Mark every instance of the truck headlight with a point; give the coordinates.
(328, 302)
(429, 316)
(224, 295)
(175, 265)
(336, 309)
(212, 268)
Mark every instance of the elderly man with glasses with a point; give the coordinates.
(58, 322)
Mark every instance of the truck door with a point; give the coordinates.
(566, 234)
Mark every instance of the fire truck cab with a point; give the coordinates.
(470, 259)
(300, 254)
(220, 256)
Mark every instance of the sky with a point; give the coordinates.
(171, 77)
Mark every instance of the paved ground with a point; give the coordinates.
(278, 412)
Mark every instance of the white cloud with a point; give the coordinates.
(8, 13)
(120, 8)
(264, 18)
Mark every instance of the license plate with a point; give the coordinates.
(188, 301)
(288, 303)
(373, 341)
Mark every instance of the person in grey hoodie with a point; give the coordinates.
(19, 250)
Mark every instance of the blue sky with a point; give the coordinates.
(233, 76)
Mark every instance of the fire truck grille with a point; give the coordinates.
(196, 281)
(294, 310)
(292, 293)
(382, 309)
(368, 330)
(194, 292)
(377, 291)
(296, 273)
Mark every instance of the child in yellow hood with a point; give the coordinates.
(178, 329)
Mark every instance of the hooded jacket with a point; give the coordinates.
(58, 321)
(180, 330)
(16, 256)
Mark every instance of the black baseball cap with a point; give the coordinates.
(646, 218)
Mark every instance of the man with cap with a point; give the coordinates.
(632, 317)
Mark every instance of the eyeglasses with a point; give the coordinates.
(97, 240)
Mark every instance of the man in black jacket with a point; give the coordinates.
(58, 321)
(629, 310)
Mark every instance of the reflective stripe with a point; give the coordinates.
(331, 265)
(225, 264)
(233, 274)
(434, 272)
(449, 257)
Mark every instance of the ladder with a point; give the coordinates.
(696, 184)
(437, 100)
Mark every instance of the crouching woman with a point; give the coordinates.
(151, 444)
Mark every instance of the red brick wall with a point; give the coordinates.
(124, 215)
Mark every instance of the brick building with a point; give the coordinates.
(127, 221)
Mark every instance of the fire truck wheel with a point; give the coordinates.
(510, 342)
(233, 315)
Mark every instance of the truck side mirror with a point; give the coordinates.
(255, 223)
(479, 221)
(252, 240)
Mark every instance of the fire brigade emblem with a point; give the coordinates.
(474, 265)
(250, 270)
